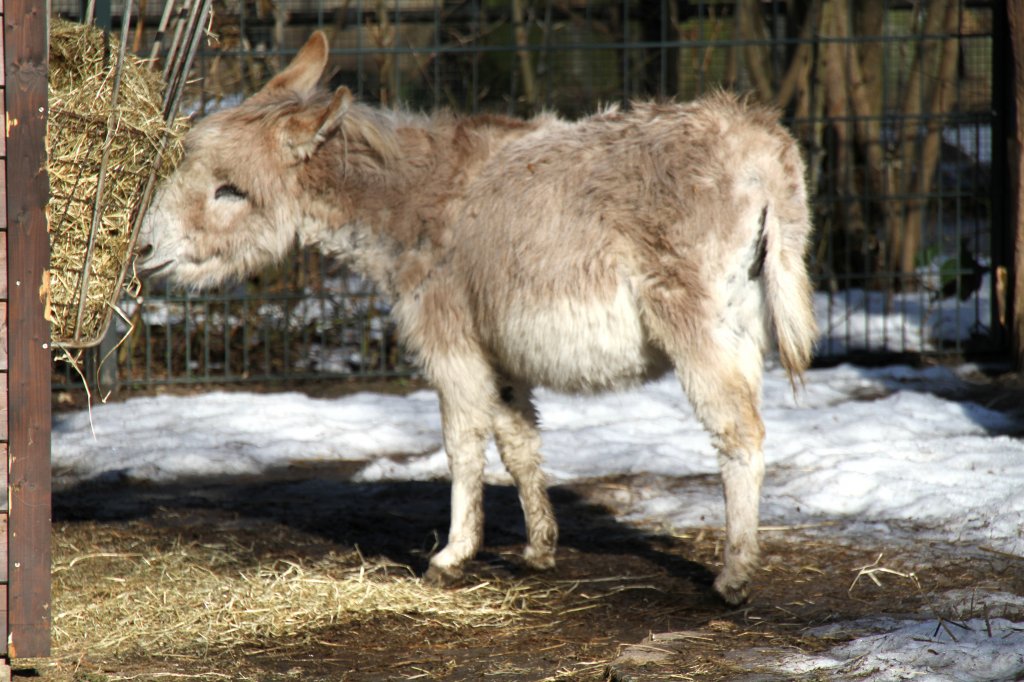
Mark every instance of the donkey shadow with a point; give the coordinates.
(403, 521)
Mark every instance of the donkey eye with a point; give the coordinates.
(228, 191)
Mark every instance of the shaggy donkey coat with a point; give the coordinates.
(583, 256)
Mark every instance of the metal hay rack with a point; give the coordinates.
(113, 129)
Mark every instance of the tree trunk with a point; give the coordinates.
(849, 229)
(660, 68)
(869, 20)
(900, 241)
(939, 104)
(750, 27)
(523, 54)
(799, 70)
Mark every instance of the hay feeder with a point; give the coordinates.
(113, 130)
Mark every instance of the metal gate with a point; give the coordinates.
(898, 106)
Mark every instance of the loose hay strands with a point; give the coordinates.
(119, 598)
(871, 569)
(112, 128)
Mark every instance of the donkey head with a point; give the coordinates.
(240, 196)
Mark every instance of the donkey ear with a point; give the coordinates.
(304, 72)
(330, 121)
(335, 112)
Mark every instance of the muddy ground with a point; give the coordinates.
(616, 584)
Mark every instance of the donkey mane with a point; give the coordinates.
(376, 130)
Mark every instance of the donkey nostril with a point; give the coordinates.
(144, 251)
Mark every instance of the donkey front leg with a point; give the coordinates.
(515, 431)
(466, 423)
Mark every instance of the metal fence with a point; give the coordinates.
(897, 106)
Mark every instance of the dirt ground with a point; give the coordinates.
(615, 584)
(617, 589)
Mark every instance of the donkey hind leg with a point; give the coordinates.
(467, 408)
(515, 431)
(726, 400)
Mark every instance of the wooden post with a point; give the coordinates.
(25, 43)
(1015, 14)
(5, 669)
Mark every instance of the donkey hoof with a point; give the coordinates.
(442, 577)
(734, 593)
(539, 560)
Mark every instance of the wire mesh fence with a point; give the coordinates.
(895, 103)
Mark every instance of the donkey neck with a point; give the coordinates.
(391, 185)
(381, 197)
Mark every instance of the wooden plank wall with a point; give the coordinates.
(28, 334)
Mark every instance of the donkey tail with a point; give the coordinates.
(781, 262)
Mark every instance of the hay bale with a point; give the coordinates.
(82, 73)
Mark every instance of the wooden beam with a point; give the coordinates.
(3, 189)
(28, 334)
(1015, 14)
(3, 239)
(3, 363)
(3, 540)
(3, 436)
(5, 671)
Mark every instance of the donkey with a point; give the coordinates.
(582, 256)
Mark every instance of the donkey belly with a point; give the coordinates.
(576, 345)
